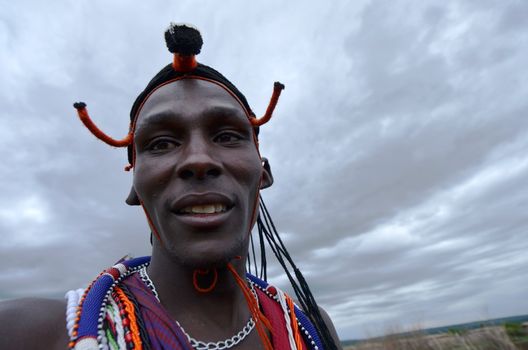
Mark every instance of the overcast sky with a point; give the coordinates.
(399, 147)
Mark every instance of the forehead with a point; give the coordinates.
(189, 97)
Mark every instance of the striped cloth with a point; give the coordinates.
(164, 333)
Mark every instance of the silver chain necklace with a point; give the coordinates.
(198, 344)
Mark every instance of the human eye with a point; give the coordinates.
(162, 145)
(228, 138)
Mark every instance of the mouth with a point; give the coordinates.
(213, 208)
(203, 210)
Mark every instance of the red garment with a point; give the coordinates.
(273, 312)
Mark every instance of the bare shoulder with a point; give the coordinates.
(331, 328)
(33, 323)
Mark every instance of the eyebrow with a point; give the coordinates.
(156, 118)
(225, 112)
(218, 111)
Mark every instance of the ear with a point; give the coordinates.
(267, 176)
(132, 198)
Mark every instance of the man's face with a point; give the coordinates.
(197, 171)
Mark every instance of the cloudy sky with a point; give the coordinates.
(399, 147)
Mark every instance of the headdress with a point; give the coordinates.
(184, 42)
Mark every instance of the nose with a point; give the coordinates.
(197, 161)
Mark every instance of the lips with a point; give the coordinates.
(203, 211)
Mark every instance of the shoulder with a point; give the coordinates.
(330, 325)
(33, 323)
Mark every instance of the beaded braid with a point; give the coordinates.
(110, 327)
(112, 343)
(119, 335)
(139, 319)
(73, 298)
(130, 326)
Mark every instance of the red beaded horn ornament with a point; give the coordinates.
(277, 89)
(82, 112)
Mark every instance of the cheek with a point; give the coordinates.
(248, 171)
(150, 176)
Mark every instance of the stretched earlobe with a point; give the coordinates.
(132, 198)
(267, 176)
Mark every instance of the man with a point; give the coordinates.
(197, 175)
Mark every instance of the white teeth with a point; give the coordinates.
(204, 209)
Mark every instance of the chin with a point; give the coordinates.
(207, 256)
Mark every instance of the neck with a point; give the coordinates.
(224, 305)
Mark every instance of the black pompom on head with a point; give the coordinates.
(183, 39)
(79, 105)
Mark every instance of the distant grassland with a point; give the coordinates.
(500, 334)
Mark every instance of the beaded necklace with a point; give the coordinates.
(107, 316)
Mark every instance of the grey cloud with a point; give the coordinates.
(397, 147)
